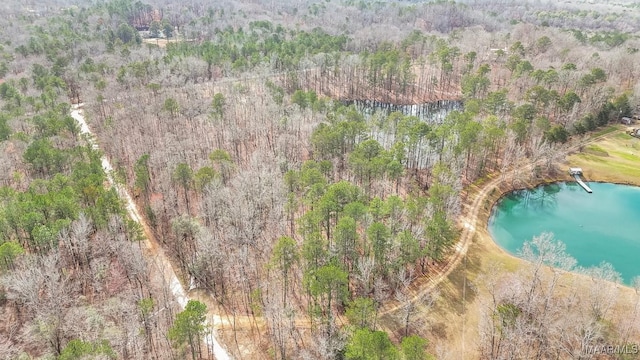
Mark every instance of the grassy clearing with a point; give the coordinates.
(162, 43)
(607, 130)
(623, 136)
(622, 164)
(596, 150)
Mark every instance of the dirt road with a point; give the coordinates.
(469, 222)
(155, 253)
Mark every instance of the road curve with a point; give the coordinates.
(469, 223)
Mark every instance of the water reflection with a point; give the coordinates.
(433, 113)
(540, 199)
(597, 227)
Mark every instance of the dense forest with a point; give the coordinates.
(301, 164)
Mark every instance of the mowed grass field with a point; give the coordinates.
(615, 158)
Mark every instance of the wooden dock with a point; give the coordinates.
(584, 186)
(576, 172)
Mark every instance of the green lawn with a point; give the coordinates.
(620, 164)
(608, 129)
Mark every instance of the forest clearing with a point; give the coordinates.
(311, 180)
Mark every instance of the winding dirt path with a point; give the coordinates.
(469, 222)
(155, 252)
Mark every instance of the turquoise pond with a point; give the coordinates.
(597, 227)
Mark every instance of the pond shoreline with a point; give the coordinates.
(558, 173)
(430, 112)
(594, 228)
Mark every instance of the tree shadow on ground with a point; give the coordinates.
(458, 289)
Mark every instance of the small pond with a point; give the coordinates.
(432, 113)
(597, 227)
